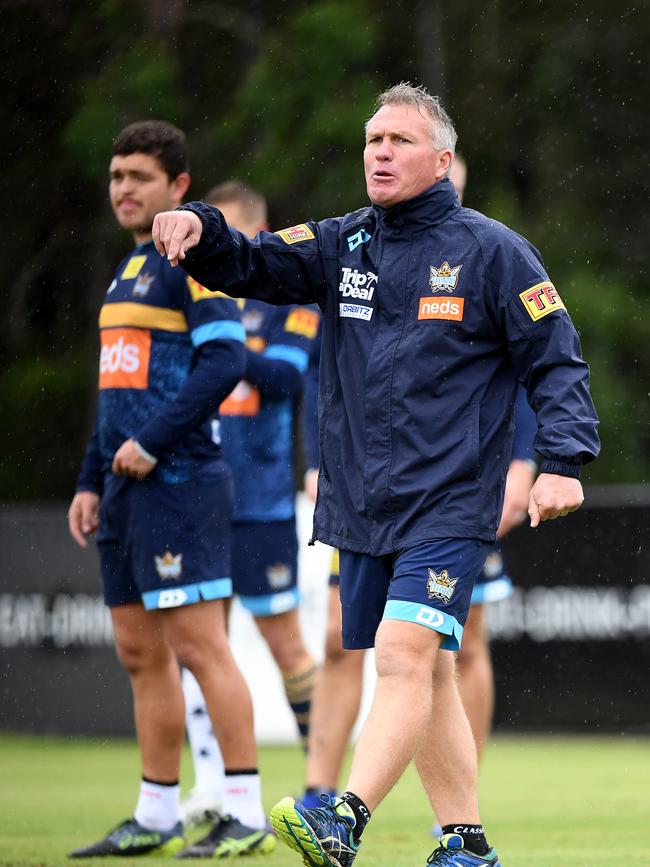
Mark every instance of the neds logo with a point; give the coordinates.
(124, 358)
(447, 308)
(119, 356)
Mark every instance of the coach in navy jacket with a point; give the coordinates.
(418, 367)
(432, 315)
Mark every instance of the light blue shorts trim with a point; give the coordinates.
(187, 594)
(271, 603)
(424, 615)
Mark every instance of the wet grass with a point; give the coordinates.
(546, 802)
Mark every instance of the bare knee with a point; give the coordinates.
(138, 655)
(197, 654)
(283, 637)
(397, 656)
(334, 652)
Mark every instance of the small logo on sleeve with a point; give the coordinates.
(441, 308)
(303, 322)
(200, 293)
(293, 234)
(540, 300)
(133, 267)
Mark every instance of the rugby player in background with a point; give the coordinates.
(257, 422)
(155, 489)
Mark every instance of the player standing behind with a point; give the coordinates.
(155, 488)
(257, 422)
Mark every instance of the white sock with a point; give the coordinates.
(158, 806)
(206, 755)
(242, 799)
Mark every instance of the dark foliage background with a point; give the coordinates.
(550, 100)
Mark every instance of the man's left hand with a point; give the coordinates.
(129, 462)
(553, 497)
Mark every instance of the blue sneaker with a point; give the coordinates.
(311, 799)
(322, 836)
(130, 839)
(451, 853)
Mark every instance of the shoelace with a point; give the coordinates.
(441, 856)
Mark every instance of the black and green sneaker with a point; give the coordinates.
(228, 838)
(129, 838)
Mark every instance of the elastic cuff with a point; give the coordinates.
(144, 453)
(560, 468)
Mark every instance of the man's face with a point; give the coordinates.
(139, 189)
(400, 158)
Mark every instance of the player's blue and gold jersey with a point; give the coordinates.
(153, 321)
(257, 428)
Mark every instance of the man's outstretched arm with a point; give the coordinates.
(285, 267)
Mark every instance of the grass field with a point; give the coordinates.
(547, 802)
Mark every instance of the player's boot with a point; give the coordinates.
(227, 838)
(322, 836)
(129, 839)
(311, 798)
(199, 808)
(451, 853)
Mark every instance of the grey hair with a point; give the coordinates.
(443, 132)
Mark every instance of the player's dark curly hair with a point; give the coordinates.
(160, 139)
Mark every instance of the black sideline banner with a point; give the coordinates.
(571, 648)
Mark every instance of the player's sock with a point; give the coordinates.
(206, 754)
(242, 797)
(473, 836)
(158, 807)
(299, 687)
(361, 813)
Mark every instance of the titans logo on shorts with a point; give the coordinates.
(265, 566)
(429, 584)
(166, 545)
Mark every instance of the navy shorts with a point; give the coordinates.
(430, 584)
(265, 566)
(494, 583)
(166, 545)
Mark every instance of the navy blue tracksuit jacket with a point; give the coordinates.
(431, 315)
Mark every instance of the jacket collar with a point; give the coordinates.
(430, 208)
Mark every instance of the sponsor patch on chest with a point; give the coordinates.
(355, 311)
(124, 358)
(432, 307)
(357, 284)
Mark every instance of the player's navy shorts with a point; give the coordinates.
(265, 566)
(494, 583)
(430, 584)
(166, 545)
